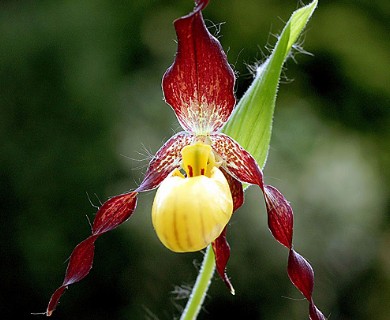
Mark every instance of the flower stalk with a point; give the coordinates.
(198, 294)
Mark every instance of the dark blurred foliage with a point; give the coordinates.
(81, 112)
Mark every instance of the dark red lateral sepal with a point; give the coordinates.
(220, 245)
(221, 250)
(199, 86)
(236, 190)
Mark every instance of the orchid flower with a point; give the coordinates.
(199, 172)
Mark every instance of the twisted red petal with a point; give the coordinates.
(280, 222)
(301, 273)
(280, 216)
(199, 85)
(117, 210)
(239, 163)
(114, 212)
(165, 161)
(315, 314)
(220, 245)
(236, 160)
(110, 215)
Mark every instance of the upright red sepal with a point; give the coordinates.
(199, 85)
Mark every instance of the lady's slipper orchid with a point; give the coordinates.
(189, 212)
(199, 171)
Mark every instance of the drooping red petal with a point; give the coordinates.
(220, 245)
(199, 85)
(236, 160)
(110, 215)
(280, 216)
(165, 161)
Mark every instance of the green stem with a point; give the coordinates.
(202, 284)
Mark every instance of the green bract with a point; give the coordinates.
(251, 122)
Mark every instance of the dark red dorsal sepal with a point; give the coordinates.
(199, 86)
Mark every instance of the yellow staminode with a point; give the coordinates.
(190, 212)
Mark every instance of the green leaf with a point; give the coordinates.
(251, 122)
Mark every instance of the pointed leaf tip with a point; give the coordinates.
(251, 122)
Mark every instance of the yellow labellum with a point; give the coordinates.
(190, 212)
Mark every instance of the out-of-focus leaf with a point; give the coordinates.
(251, 122)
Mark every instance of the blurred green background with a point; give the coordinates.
(81, 113)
